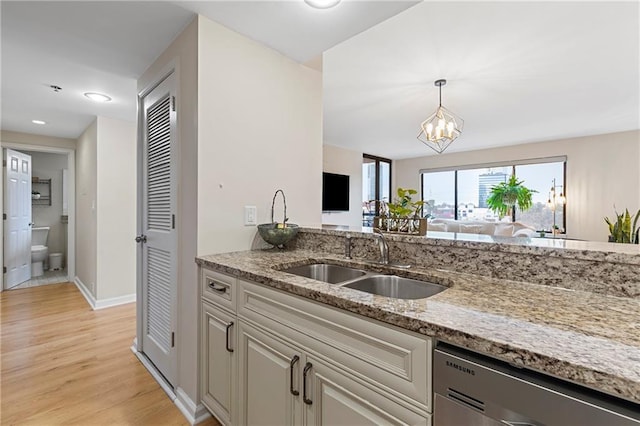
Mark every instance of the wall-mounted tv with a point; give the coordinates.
(335, 192)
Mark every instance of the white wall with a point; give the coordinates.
(249, 122)
(345, 162)
(182, 55)
(116, 208)
(47, 165)
(86, 199)
(259, 130)
(602, 170)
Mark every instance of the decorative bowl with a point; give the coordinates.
(278, 234)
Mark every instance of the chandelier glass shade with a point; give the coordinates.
(442, 127)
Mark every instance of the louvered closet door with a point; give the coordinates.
(159, 265)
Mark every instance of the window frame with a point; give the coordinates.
(377, 161)
(512, 164)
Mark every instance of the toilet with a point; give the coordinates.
(39, 250)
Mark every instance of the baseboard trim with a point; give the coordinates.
(85, 292)
(155, 374)
(194, 413)
(115, 301)
(104, 303)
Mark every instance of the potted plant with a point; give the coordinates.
(404, 215)
(506, 195)
(624, 229)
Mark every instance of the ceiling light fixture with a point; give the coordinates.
(322, 4)
(97, 97)
(442, 127)
(40, 122)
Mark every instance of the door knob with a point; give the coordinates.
(141, 239)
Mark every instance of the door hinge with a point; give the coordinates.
(4, 269)
(173, 103)
(173, 221)
(173, 339)
(4, 216)
(4, 163)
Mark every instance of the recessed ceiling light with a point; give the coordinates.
(38, 122)
(97, 97)
(322, 4)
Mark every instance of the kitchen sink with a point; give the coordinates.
(332, 274)
(396, 287)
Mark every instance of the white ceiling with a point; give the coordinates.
(81, 47)
(517, 72)
(295, 29)
(105, 46)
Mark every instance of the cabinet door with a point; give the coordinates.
(219, 362)
(270, 375)
(332, 397)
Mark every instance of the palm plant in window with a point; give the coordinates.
(505, 196)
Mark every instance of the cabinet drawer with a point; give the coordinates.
(389, 357)
(219, 288)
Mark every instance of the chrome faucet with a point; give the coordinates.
(347, 247)
(384, 247)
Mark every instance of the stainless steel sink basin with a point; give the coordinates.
(332, 274)
(396, 287)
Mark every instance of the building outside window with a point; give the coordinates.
(461, 193)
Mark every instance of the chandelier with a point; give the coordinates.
(442, 127)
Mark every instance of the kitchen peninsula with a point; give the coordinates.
(568, 309)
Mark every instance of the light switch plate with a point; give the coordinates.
(250, 215)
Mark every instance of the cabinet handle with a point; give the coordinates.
(307, 367)
(229, 349)
(213, 286)
(294, 360)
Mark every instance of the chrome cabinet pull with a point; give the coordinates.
(307, 367)
(294, 360)
(229, 349)
(219, 289)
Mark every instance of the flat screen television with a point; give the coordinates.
(335, 192)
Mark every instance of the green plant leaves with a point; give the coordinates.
(506, 195)
(623, 230)
(404, 207)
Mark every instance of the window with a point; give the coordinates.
(438, 191)
(462, 193)
(540, 178)
(376, 186)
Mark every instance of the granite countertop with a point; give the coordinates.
(554, 247)
(582, 337)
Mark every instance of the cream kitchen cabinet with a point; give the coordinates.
(218, 352)
(269, 379)
(299, 362)
(333, 398)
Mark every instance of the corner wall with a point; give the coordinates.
(259, 130)
(116, 209)
(345, 162)
(86, 199)
(182, 55)
(602, 171)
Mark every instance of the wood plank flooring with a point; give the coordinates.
(65, 364)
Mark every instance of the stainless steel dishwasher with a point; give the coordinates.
(474, 390)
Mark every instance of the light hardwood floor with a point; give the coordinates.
(63, 363)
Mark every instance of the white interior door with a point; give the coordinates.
(158, 240)
(17, 223)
